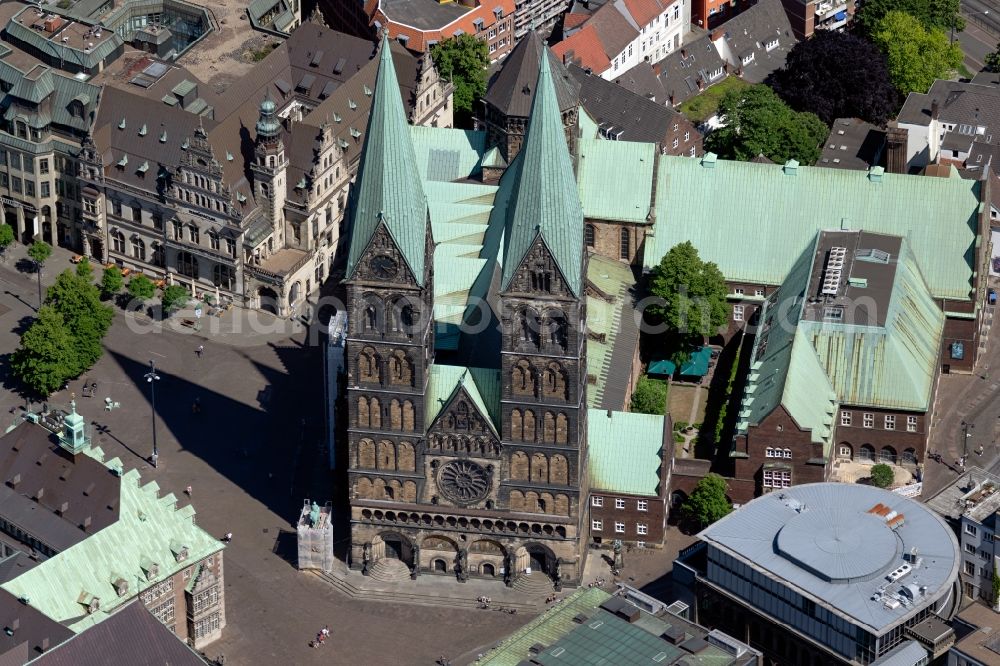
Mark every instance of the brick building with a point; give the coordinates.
(629, 476)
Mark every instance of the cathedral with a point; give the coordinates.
(465, 358)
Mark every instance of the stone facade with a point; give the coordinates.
(631, 518)
(191, 603)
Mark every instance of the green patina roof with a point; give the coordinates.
(55, 49)
(624, 450)
(784, 370)
(779, 214)
(588, 126)
(604, 318)
(482, 385)
(446, 154)
(493, 158)
(148, 524)
(662, 368)
(388, 188)
(546, 201)
(616, 180)
(697, 363)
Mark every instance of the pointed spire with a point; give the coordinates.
(546, 201)
(388, 189)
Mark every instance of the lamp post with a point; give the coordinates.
(152, 378)
(965, 440)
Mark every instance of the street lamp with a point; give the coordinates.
(152, 378)
(965, 440)
(984, 13)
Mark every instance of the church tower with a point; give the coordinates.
(543, 354)
(390, 337)
(269, 167)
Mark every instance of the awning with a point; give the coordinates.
(697, 363)
(841, 16)
(662, 368)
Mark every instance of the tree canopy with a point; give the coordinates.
(45, 359)
(837, 75)
(6, 236)
(758, 122)
(85, 270)
(141, 288)
(463, 60)
(40, 251)
(916, 55)
(692, 292)
(939, 14)
(111, 281)
(174, 297)
(992, 63)
(882, 475)
(86, 318)
(649, 396)
(707, 502)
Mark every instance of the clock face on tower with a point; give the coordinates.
(383, 266)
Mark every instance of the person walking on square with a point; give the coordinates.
(200, 350)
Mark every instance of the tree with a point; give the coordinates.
(916, 55)
(111, 281)
(882, 475)
(692, 293)
(86, 318)
(463, 60)
(649, 396)
(992, 65)
(996, 586)
(85, 270)
(837, 75)
(39, 252)
(707, 502)
(45, 358)
(6, 237)
(932, 14)
(757, 122)
(141, 288)
(174, 297)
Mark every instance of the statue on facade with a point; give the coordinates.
(557, 575)
(366, 559)
(619, 561)
(462, 566)
(314, 515)
(508, 570)
(415, 571)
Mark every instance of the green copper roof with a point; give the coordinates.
(482, 386)
(446, 154)
(588, 126)
(754, 219)
(616, 180)
(546, 202)
(494, 159)
(388, 188)
(625, 451)
(148, 524)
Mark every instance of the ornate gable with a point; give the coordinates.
(382, 261)
(539, 273)
(461, 427)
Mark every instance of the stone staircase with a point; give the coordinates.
(389, 570)
(535, 583)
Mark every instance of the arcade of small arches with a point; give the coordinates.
(539, 468)
(532, 502)
(546, 331)
(372, 367)
(395, 315)
(372, 414)
(554, 430)
(386, 455)
(485, 447)
(867, 454)
(443, 554)
(380, 489)
(550, 380)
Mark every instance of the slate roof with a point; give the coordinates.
(625, 452)
(642, 80)
(512, 88)
(681, 71)
(695, 200)
(750, 32)
(130, 636)
(611, 106)
(44, 82)
(54, 49)
(546, 202)
(387, 189)
(853, 144)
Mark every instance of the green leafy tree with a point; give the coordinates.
(707, 502)
(141, 288)
(649, 396)
(463, 60)
(757, 122)
(85, 270)
(111, 281)
(692, 292)
(882, 475)
(916, 55)
(6, 237)
(992, 64)
(174, 297)
(45, 359)
(87, 318)
(40, 251)
(932, 14)
(996, 586)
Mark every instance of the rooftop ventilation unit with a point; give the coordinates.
(898, 573)
(833, 271)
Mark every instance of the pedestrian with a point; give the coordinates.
(326, 630)
(228, 537)
(200, 350)
(187, 491)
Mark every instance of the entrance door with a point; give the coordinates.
(537, 561)
(488, 570)
(393, 549)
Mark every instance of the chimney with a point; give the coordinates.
(934, 110)
(895, 149)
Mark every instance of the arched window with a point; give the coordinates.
(371, 315)
(549, 428)
(364, 418)
(366, 453)
(408, 416)
(375, 411)
(527, 327)
(138, 248)
(187, 264)
(223, 276)
(529, 426)
(626, 244)
(523, 378)
(554, 329)
(516, 426)
(157, 254)
(118, 241)
(554, 382)
(368, 366)
(400, 368)
(562, 428)
(588, 235)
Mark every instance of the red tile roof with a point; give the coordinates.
(644, 11)
(571, 21)
(583, 48)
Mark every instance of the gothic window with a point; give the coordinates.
(554, 382)
(539, 468)
(562, 428)
(402, 316)
(386, 455)
(588, 235)
(529, 426)
(138, 249)
(519, 466)
(408, 416)
(364, 418)
(541, 280)
(527, 326)
(462, 417)
(368, 366)
(549, 428)
(559, 470)
(118, 241)
(516, 426)
(400, 368)
(187, 264)
(375, 411)
(223, 276)
(554, 329)
(371, 315)
(523, 378)
(626, 244)
(366, 454)
(404, 457)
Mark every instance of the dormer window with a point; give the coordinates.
(771, 45)
(748, 59)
